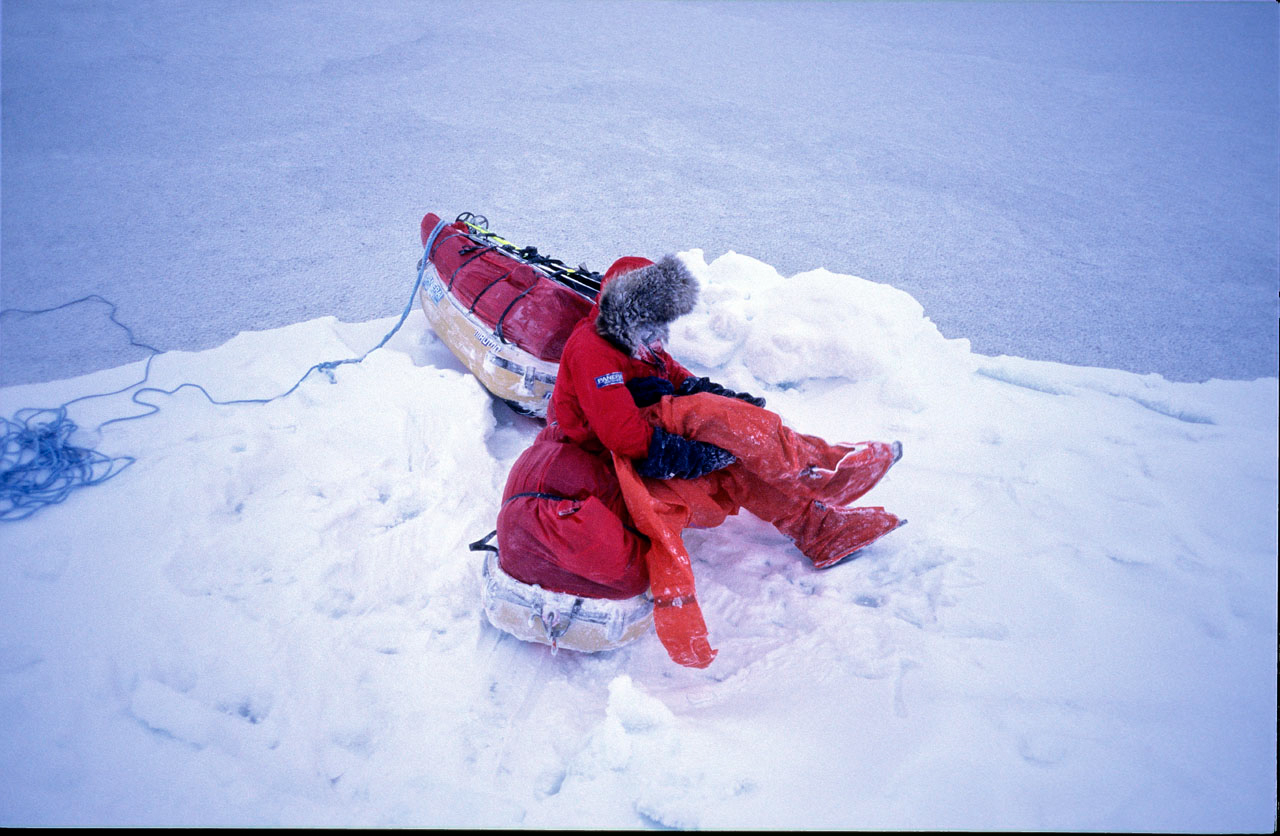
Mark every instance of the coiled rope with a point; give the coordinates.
(39, 466)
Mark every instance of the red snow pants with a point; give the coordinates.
(796, 482)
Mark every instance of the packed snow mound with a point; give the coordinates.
(753, 324)
(272, 617)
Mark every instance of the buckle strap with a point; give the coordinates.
(535, 495)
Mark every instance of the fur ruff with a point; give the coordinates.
(637, 307)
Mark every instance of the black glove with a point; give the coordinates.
(647, 391)
(675, 457)
(696, 385)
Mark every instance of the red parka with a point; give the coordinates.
(591, 400)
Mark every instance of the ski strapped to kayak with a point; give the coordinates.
(579, 279)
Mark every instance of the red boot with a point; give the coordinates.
(828, 535)
(858, 470)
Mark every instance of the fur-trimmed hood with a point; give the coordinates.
(637, 307)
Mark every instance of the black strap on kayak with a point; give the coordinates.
(435, 242)
(582, 280)
(482, 545)
(497, 329)
(458, 269)
(431, 251)
(506, 275)
(582, 274)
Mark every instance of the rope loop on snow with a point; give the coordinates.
(39, 466)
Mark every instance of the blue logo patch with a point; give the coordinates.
(610, 379)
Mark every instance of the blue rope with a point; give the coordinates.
(38, 464)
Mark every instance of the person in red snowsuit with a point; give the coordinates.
(708, 450)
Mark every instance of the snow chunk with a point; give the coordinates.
(634, 709)
(815, 325)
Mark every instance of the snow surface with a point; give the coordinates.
(272, 617)
(1091, 183)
